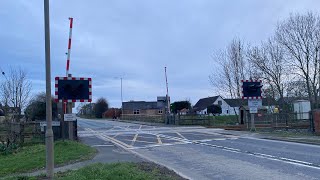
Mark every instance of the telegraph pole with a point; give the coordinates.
(121, 99)
(49, 132)
(168, 100)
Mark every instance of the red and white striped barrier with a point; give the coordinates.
(69, 46)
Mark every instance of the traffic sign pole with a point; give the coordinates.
(251, 90)
(253, 127)
(69, 110)
(70, 123)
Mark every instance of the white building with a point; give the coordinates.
(201, 107)
(230, 106)
(302, 108)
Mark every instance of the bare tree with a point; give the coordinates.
(269, 61)
(300, 36)
(231, 67)
(15, 90)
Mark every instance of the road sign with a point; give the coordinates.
(70, 117)
(253, 110)
(254, 103)
(72, 89)
(44, 123)
(54, 123)
(251, 89)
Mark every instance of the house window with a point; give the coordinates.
(227, 111)
(219, 103)
(160, 111)
(136, 111)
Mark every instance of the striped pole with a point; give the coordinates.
(69, 46)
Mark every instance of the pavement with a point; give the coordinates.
(196, 152)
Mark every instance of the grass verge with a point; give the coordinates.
(117, 171)
(33, 157)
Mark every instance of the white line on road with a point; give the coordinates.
(134, 139)
(103, 145)
(266, 156)
(180, 135)
(186, 141)
(159, 139)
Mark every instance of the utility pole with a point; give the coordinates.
(121, 98)
(168, 100)
(49, 132)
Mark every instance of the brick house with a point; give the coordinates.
(145, 107)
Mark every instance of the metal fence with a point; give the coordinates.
(30, 132)
(144, 118)
(284, 120)
(262, 120)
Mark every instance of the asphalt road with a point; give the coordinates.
(201, 153)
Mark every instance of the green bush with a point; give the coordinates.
(8, 149)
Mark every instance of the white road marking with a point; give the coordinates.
(159, 139)
(134, 139)
(180, 135)
(139, 141)
(102, 145)
(266, 156)
(105, 137)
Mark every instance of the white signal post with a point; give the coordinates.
(69, 105)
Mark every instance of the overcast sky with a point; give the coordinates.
(136, 39)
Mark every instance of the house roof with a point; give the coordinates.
(244, 102)
(236, 102)
(291, 100)
(204, 103)
(140, 105)
(184, 110)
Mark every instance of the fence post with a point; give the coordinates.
(311, 122)
(21, 133)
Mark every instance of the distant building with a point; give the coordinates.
(230, 106)
(201, 107)
(302, 108)
(184, 111)
(145, 107)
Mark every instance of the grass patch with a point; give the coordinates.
(33, 157)
(289, 133)
(115, 171)
(225, 120)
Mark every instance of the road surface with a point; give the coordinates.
(200, 153)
